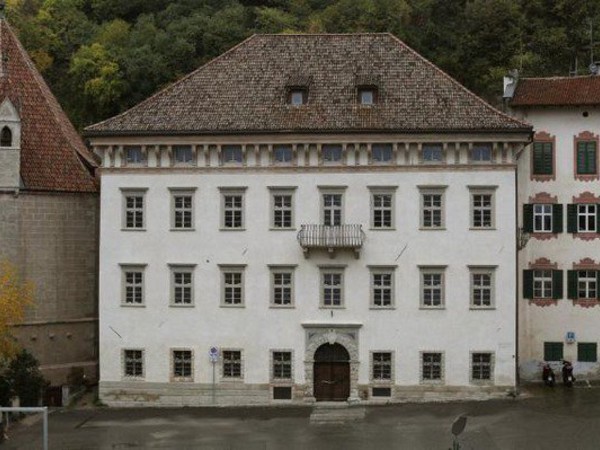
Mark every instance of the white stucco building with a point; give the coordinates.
(559, 197)
(332, 213)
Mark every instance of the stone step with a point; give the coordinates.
(335, 414)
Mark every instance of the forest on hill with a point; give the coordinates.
(100, 57)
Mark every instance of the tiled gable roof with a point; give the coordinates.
(557, 91)
(245, 90)
(53, 156)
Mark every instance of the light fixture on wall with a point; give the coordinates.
(522, 238)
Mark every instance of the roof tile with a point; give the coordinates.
(557, 91)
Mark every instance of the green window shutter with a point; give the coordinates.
(591, 157)
(528, 284)
(597, 217)
(548, 158)
(587, 352)
(571, 218)
(571, 284)
(538, 158)
(597, 283)
(557, 218)
(557, 284)
(528, 218)
(553, 351)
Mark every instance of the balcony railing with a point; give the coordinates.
(331, 237)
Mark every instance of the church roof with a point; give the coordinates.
(53, 156)
(246, 90)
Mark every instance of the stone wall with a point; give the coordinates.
(52, 239)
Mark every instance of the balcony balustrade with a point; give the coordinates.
(331, 238)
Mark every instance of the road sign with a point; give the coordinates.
(213, 354)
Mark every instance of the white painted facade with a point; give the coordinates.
(550, 321)
(406, 329)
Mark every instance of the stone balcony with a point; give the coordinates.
(331, 238)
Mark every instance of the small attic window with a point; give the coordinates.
(367, 95)
(297, 96)
(6, 137)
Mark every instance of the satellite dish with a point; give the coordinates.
(459, 425)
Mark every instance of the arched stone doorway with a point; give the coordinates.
(331, 373)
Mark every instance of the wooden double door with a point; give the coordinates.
(331, 373)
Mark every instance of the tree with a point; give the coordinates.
(15, 296)
(25, 379)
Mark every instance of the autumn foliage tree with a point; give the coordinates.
(15, 296)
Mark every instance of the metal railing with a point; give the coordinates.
(43, 410)
(331, 236)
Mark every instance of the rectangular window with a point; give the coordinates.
(482, 288)
(586, 158)
(183, 154)
(134, 155)
(431, 366)
(133, 285)
(553, 351)
(382, 366)
(432, 288)
(233, 286)
(332, 154)
(233, 209)
(542, 284)
(382, 153)
(481, 366)
(332, 288)
(367, 95)
(133, 206)
(232, 364)
(587, 352)
(283, 154)
(586, 218)
(282, 365)
(587, 284)
(297, 96)
(482, 208)
(133, 363)
(542, 218)
(282, 286)
(382, 210)
(433, 153)
(232, 155)
(543, 158)
(182, 214)
(182, 285)
(382, 287)
(432, 210)
(182, 364)
(481, 153)
(332, 208)
(282, 203)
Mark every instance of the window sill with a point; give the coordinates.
(543, 177)
(586, 302)
(432, 382)
(432, 307)
(223, 305)
(586, 176)
(182, 229)
(331, 307)
(184, 306)
(133, 229)
(132, 305)
(282, 306)
(231, 229)
(482, 228)
(432, 228)
(181, 380)
(281, 229)
(383, 308)
(482, 382)
(543, 235)
(482, 308)
(543, 301)
(382, 229)
(586, 236)
(132, 378)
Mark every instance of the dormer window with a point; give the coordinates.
(183, 154)
(367, 95)
(6, 137)
(297, 96)
(232, 154)
(134, 155)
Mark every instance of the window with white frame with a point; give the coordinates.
(382, 287)
(232, 285)
(232, 201)
(381, 366)
(282, 365)
(183, 154)
(433, 153)
(587, 284)
(133, 209)
(482, 287)
(182, 213)
(282, 207)
(432, 209)
(382, 209)
(542, 284)
(282, 286)
(232, 364)
(382, 153)
(542, 218)
(482, 209)
(133, 363)
(482, 366)
(283, 154)
(232, 155)
(586, 218)
(182, 365)
(133, 285)
(481, 153)
(431, 366)
(332, 208)
(134, 155)
(332, 287)
(432, 287)
(182, 285)
(332, 153)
